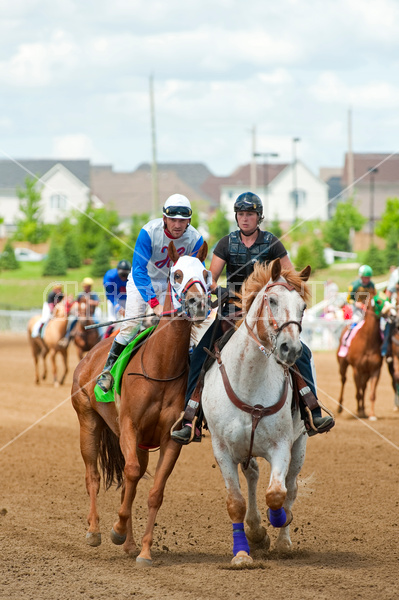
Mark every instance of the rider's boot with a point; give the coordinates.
(185, 435)
(68, 335)
(105, 379)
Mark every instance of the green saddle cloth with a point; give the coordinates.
(119, 368)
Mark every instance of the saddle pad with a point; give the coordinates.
(120, 366)
(343, 351)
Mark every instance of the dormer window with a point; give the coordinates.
(58, 201)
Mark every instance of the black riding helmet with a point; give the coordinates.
(123, 265)
(249, 201)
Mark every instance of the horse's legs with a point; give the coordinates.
(343, 366)
(43, 353)
(91, 426)
(256, 533)
(283, 542)
(373, 387)
(360, 383)
(65, 360)
(36, 353)
(167, 460)
(276, 492)
(130, 546)
(53, 353)
(235, 501)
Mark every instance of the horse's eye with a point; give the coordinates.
(273, 301)
(178, 276)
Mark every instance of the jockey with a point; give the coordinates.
(238, 251)
(92, 302)
(147, 282)
(384, 308)
(55, 296)
(359, 293)
(115, 289)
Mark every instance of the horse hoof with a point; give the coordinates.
(93, 539)
(143, 562)
(395, 409)
(256, 537)
(373, 418)
(283, 545)
(56, 384)
(117, 538)
(241, 558)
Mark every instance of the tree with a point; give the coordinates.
(389, 219)
(56, 263)
(31, 227)
(219, 226)
(317, 250)
(391, 250)
(304, 257)
(137, 223)
(72, 252)
(376, 259)
(101, 262)
(93, 226)
(336, 231)
(8, 262)
(275, 227)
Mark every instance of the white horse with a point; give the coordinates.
(256, 361)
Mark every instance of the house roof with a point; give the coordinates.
(387, 165)
(265, 173)
(131, 192)
(192, 174)
(14, 173)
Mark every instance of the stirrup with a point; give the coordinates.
(311, 429)
(174, 434)
(105, 381)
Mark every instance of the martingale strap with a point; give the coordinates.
(258, 411)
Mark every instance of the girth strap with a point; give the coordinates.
(258, 411)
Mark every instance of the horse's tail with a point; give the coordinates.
(111, 459)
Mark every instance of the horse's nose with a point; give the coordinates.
(197, 307)
(289, 352)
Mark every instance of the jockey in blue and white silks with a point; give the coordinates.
(147, 282)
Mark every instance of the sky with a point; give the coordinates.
(74, 80)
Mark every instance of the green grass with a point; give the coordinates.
(25, 288)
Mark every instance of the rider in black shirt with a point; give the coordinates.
(239, 251)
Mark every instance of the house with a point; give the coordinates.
(333, 178)
(275, 186)
(64, 186)
(132, 192)
(376, 178)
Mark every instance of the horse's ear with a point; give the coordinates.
(172, 253)
(305, 273)
(202, 252)
(276, 269)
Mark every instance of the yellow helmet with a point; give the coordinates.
(87, 281)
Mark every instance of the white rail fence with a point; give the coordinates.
(318, 334)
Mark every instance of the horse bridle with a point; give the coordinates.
(272, 321)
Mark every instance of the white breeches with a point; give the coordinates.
(135, 306)
(46, 314)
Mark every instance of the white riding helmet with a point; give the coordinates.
(177, 206)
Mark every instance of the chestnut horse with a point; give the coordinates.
(364, 355)
(54, 331)
(120, 433)
(84, 340)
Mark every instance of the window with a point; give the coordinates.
(298, 196)
(58, 201)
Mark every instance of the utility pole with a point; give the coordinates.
(266, 156)
(372, 171)
(295, 140)
(154, 169)
(253, 161)
(351, 174)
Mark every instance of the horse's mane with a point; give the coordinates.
(260, 276)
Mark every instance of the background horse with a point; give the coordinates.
(152, 398)
(84, 340)
(273, 302)
(54, 331)
(364, 355)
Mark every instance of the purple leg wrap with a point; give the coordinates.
(239, 539)
(277, 517)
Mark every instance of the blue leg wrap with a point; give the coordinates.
(239, 539)
(277, 517)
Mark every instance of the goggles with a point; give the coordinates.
(178, 211)
(246, 206)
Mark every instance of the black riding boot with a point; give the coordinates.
(105, 379)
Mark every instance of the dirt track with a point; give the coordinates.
(345, 529)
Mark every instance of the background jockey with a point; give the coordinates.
(55, 296)
(239, 251)
(115, 289)
(359, 293)
(92, 302)
(147, 282)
